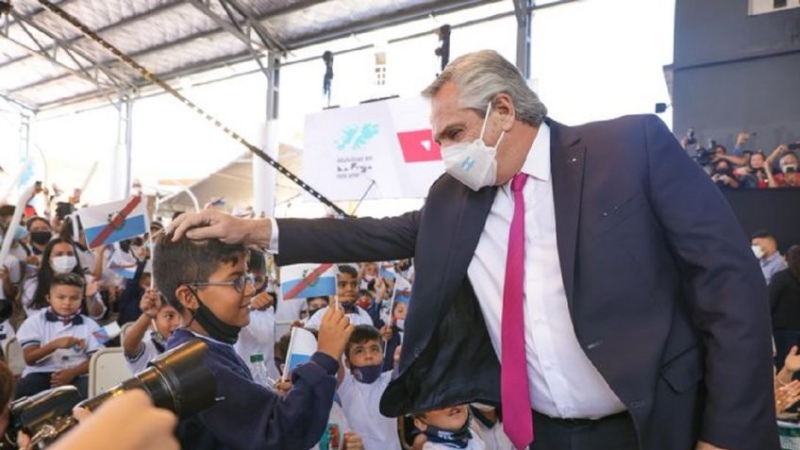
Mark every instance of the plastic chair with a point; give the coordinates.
(14, 356)
(107, 368)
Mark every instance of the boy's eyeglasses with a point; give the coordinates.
(239, 283)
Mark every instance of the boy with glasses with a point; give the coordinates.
(208, 283)
(346, 295)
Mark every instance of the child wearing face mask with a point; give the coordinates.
(58, 341)
(448, 428)
(398, 327)
(208, 283)
(361, 389)
(60, 258)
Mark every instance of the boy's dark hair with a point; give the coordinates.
(362, 334)
(350, 270)
(189, 261)
(67, 279)
(365, 292)
(46, 274)
(761, 234)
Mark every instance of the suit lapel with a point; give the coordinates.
(567, 161)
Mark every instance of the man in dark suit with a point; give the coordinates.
(589, 279)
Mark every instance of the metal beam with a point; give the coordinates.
(70, 49)
(143, 16)
(395, 18)
(229, 27)
(522, 10)
(43, 53)
(266, 36)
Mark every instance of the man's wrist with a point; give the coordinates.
(258, 232)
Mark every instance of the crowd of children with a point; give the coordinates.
(229, 297)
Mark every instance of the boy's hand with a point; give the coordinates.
(61, 378)
(261, 302)
(386, 332)
(150, 303)
(334, 332)
(68, 342)
(282, 387)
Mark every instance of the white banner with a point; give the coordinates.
(386, 145)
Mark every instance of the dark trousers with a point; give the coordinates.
(33, 383)
(609, 433)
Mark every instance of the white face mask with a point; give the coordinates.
(473, 163)
(786, 168)
(758, 251)
(401, 324)
(63, 264)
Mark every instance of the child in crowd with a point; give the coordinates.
(146, 338)
(257, 340)
(207, 282)
(314, 304)
(57, 341)
(361, 388)
(394, 336)
(59, 258)
(346, 290)
(448, 428)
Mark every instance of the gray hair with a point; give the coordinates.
(480, 76)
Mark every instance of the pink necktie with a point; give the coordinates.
(514, 391)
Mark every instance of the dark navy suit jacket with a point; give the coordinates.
(666, 297)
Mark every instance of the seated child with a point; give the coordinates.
(207, 282)
(57, 341)
(346, 290)
(447, 428)
(362, 387)
(146, 338)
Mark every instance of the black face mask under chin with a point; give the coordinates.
(215, 328)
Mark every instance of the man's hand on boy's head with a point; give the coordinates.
(213, 224)
(334, 332)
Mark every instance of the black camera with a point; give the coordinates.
(704, 156)
(177, 380)
(794, 146)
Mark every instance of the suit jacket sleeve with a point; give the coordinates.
(347, 240)
(726, 293)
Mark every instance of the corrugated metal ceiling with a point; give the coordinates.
(46, 62)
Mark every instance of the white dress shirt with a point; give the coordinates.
(563, 382)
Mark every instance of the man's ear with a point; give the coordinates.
(507, 112)
(186, 297)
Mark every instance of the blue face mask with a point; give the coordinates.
(367, 374)
(21, 233)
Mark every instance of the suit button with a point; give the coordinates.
(417, 351)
